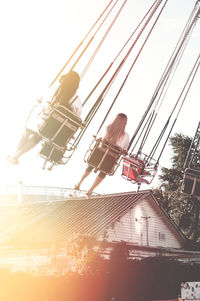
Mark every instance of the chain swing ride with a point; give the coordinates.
(62, 130)
(101, 155)
(59, 124)
(59, 129)
(138, 166)
(137, 162)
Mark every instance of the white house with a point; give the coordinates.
(31, 230)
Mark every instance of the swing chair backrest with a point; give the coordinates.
(132, 167)
(104, 157)
(60, 126)
(137, 163)
(191, 182)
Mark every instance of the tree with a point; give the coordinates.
(184, 210)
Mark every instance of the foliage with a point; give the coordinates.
(184, 210)
(83, 255)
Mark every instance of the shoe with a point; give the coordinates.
(12, 160)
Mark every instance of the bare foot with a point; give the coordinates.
(88, 194)
(77, 187)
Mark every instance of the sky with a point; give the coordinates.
(39, 36)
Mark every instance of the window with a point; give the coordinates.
(161, 236)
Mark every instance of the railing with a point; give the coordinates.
(37, 193)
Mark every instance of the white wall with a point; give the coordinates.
(145, 224)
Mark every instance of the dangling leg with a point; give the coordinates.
(27, 142)
(97, 181)
(85, 175)
(31, 143)
(23, 140)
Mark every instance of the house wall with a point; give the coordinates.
(145, 225)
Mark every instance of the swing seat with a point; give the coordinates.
(60, 126)
(136, 169)
(57, 132)
(132, 167)
(104, 157)
(191, 182)
(51, 153)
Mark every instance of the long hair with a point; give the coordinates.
(116, 129)
(69, 84)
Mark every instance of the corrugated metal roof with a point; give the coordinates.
(78, 215)
(16, 218)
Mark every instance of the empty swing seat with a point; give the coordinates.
(56, 132)
(132, 167)
(191, 182)
(104, 157)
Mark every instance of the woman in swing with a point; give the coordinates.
(116, 136)
(65, 95)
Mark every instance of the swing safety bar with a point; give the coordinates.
(103, 156)
(57, 133)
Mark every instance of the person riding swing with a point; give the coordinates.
(64, 96)
(117, 137)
